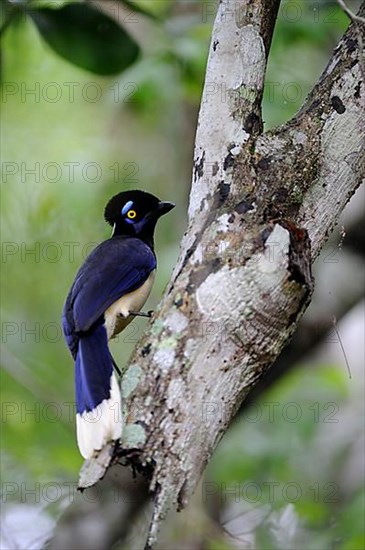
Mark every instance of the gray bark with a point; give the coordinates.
(261, 207)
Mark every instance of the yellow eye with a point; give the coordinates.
(131, 214)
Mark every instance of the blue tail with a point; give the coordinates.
(94, 368)
(98, 399)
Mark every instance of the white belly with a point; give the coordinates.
(117, 315)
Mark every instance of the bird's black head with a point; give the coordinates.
(135, 213)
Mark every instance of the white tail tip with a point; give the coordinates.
(103, 424)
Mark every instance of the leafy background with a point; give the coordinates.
(117, 104)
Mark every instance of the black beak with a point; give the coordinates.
(164, 207)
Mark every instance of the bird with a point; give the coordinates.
(109, 290)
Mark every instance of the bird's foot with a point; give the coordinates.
(142, 313)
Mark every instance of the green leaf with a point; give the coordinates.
(87, 38)
(146, 9)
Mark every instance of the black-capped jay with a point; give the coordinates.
(109, 289)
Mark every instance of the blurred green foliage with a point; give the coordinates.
(286, 455)
(74, 139)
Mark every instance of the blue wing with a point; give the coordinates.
(117, 266)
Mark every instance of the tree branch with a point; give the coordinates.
(259, 203)
(318, 157)
(230, 114)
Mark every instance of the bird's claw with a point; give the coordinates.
(142, 313)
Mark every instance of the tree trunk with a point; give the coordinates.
(261, 207)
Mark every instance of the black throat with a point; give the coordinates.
(146, 235)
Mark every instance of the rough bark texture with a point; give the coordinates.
(261, 207)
